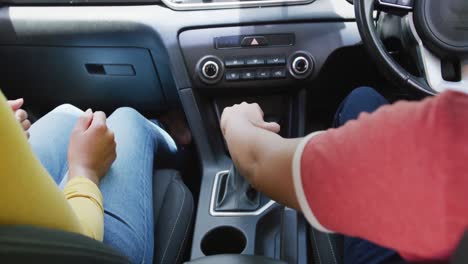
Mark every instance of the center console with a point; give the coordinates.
(274, 66)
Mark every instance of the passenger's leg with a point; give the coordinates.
(49, 139)
(127, 188)
(356, 250)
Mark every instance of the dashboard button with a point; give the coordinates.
(263, 74)
(234, 62)
(276, 60)
(255, 61)
(232, 75)
(248, 75)
(278, 73)
(254, 41)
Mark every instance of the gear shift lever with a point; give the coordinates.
(235, 194)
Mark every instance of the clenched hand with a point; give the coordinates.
(20, 114)
(92, 147)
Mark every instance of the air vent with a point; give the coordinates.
(222, 4)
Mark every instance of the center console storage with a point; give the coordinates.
(223, 240)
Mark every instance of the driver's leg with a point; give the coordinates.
(362, 99)
(356, 250)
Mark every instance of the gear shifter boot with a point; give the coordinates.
(235, 194)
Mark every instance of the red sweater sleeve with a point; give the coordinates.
(397, 177)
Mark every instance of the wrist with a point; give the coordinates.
(83, 172)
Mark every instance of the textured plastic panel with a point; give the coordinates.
(55, 75)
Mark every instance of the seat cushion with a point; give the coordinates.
(28, 244)
(173, 213)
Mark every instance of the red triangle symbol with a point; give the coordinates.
(254, 42)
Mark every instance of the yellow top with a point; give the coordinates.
(29, 195)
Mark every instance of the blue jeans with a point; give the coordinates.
(356, 250)
(127, 187)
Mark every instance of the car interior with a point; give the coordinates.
(298, 59)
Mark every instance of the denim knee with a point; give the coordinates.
(67, 109)
(125, 118)
(362, 99)
(363, 93)
(127, 114)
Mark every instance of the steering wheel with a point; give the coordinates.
(437, 31)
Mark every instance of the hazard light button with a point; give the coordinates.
(254, 41)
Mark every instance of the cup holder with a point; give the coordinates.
(223, 240)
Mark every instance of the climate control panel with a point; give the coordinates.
(212, 69)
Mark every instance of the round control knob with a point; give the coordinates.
(300, 65)
(210, 70)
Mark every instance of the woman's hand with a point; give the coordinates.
(20, 114)
(92, 147)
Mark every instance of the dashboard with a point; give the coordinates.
(163, 31)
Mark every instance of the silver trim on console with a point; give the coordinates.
(237, 4)
(213, 197)
(297, 71)
(210, 62)
(395, 5)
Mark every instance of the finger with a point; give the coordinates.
(16, 104)
(257, 106)
(26, 124)
(222, 120)
(270, 126)
(84, 121)
(99, 120)
(111, 135)
(21, 115)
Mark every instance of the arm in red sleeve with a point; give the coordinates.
(397, 177)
